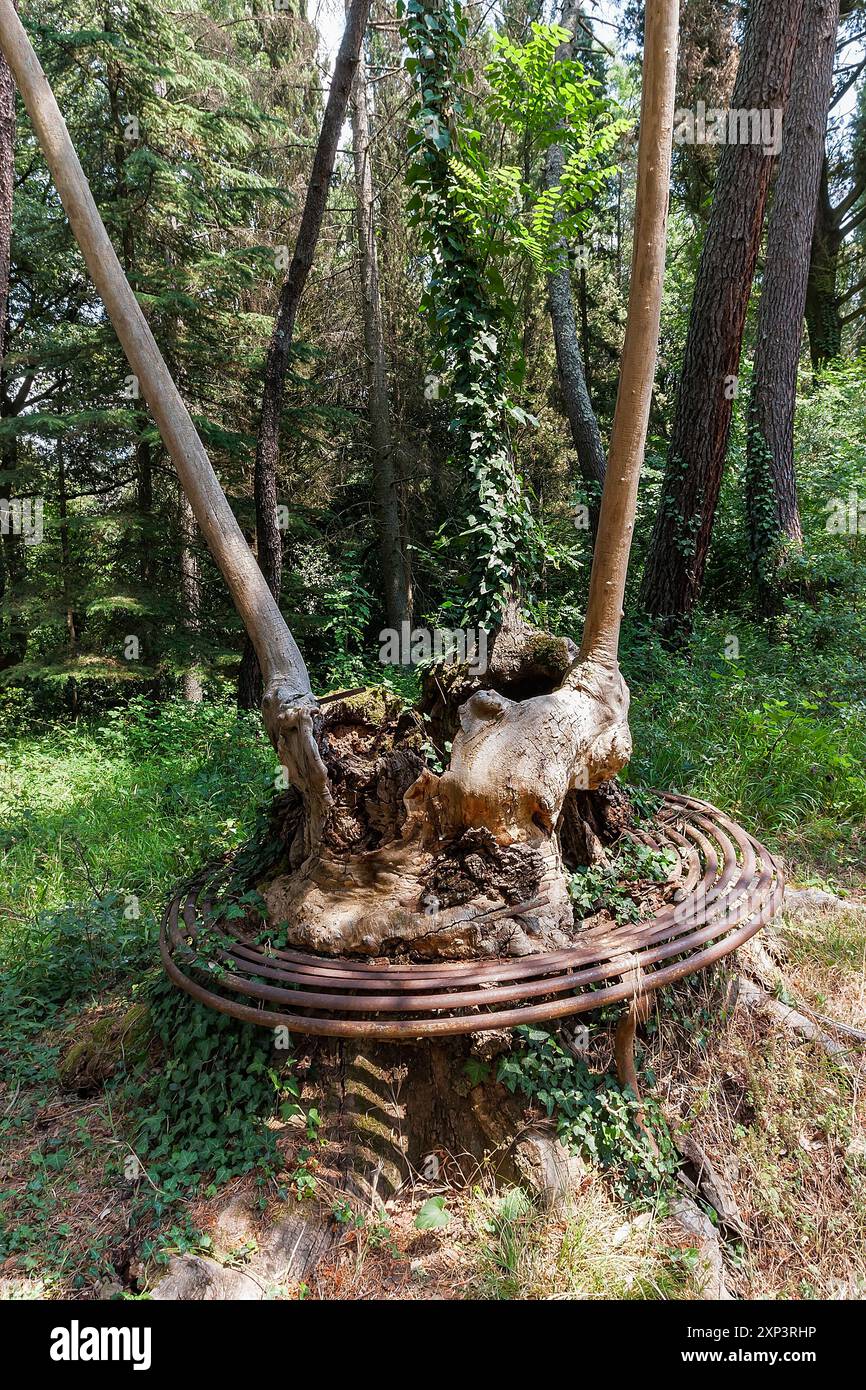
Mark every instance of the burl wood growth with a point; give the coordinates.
(382, 853)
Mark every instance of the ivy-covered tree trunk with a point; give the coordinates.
(702, 418)
(570, 364)
(470, 336)
(771, 485)
(823, 312)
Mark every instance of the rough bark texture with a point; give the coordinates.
(190, 593)
(570, 366)
(823, 314)
(706, 71)
(396, 579)
(268, 539)
(771, 486)
(9, 650)
(702, 418)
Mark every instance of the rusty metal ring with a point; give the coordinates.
(729, 887)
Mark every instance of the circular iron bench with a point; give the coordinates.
(726, 887)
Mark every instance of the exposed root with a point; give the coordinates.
(637, 1011)
(792, 1022)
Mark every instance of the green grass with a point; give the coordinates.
(776, 738)
(126, 805)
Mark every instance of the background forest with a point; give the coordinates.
(129, 752)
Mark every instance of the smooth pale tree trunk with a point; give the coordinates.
(396, 579)
(513, 761)
(269, 544)
(570, 365)
(702, 417)
(771, 485)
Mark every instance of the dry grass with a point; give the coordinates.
(501, 1245)
(781, 1121)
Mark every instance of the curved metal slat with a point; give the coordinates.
(727, 888)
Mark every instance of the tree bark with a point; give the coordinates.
(640, 349)
(190, 596)
(570, 365)
(7, 181)
(396, 580)
(771, 485)
(823, 314)
(269, 544)
(699, 437)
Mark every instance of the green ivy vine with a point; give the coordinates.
(471, 362)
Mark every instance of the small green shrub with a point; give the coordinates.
(594, 1115)
(614, 884)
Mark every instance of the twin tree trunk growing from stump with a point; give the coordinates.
(514, 761)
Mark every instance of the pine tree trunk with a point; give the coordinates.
(269, 545)
(823, 314)
(570, 363)
(396, 581)
(702, 418)
(771, 486)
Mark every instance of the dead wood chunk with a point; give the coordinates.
(687, 1220)
(276, 1253)
(548, 1168)
(475, 863)
(803, 902)
(294, 1245)
(195, 1279)
(394, 773)
(712, 1185)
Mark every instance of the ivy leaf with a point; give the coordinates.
(433, 1215)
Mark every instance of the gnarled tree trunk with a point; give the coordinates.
(376, 843)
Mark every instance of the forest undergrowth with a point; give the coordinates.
(104, 1176)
